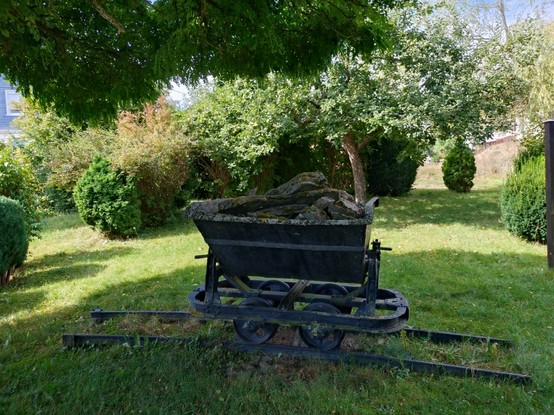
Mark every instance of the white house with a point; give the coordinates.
(8, 109)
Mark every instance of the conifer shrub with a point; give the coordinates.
(458, 169)
(108, 200)
(14, 241)
(523, 200)
(388, 173)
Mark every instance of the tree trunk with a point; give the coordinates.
(360, 188)
(502, 10)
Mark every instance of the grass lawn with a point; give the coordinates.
(459, 269)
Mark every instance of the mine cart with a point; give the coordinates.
(320, 276)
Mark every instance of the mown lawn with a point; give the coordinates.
(460, 270)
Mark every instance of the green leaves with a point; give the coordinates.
(18, 182)
(459, 168)
(243, 122)
(523, 201)
(107, 200)
(92, 58)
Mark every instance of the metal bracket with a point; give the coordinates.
(288, 300)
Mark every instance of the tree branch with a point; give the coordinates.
(110, 18)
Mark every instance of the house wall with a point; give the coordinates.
(6, 126)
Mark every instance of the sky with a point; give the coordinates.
(518, 9)
(515, 9)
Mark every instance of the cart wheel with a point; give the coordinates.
(334, 290)
(319, 336)
(254, 331)
(274, 285)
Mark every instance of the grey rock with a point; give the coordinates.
(304, 182)
(347, 204)
(285, 212)
(338, 212)
(324, 203)
(307, 198)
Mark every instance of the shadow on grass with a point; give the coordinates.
(176, 227)
(78, 256)
(76, 264)
(13, 301)
(441, 206)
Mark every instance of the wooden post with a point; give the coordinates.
(549, 157)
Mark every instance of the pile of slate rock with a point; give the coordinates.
(307, 196)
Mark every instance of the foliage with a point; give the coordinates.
(388, 170)
(107, 200)
(149, 147)
(523, 202)
(137, 48)
(59, 152)
(435, 84)
(458, 168)
(440, 149)
(18, 182)
(238, 127)
(14, 246)
(530, 55)
(530, 148)
(41, 131)
(532, 42)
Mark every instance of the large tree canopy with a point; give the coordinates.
(92, 57)
(436, 82)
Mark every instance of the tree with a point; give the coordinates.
(92, 57)
(536, 65)
(59, 152)
(436, 83)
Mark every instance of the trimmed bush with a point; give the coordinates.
(14, 242)
(387, 173)
(458, 169)
(18, 182)
(523, 201)
(107, 200)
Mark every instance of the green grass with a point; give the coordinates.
(460, 270)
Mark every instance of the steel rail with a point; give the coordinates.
(99, 315)
(417, 366)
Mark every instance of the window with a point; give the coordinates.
(12, 99)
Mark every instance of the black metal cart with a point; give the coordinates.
(322, 276)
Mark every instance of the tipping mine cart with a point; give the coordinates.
(321, 276)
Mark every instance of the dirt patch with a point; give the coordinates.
(496, 160)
